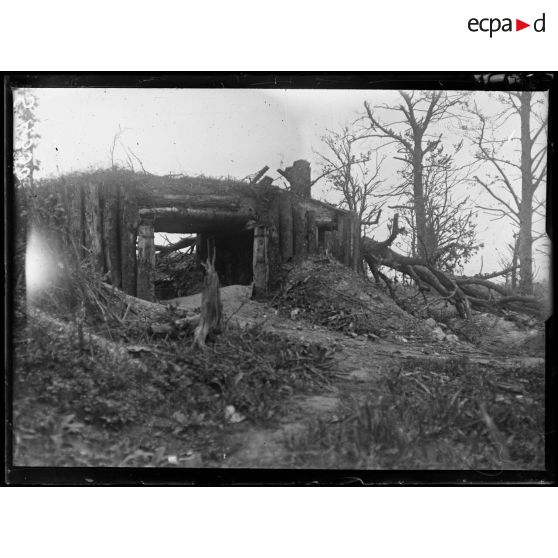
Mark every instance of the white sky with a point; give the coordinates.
(221, 132)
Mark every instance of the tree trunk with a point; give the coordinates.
(183, 243)
(515, 263)
(526, 209)
(146, 260)
(460, 292)
(418, 200)
(211, 306)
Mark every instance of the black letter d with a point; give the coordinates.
(537, 21)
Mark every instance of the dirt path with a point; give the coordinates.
(360, 361)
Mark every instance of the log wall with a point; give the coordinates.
(112, 220)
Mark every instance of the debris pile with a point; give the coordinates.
(327, 293)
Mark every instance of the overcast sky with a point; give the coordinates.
(221, 132)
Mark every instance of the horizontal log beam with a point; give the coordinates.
(194, 220)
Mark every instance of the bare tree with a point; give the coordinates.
(450, 217)
(411, 131)
(353, 173)
(514, 175)
(476, 292)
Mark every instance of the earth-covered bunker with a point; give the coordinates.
(252, 227)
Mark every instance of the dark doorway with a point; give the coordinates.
(233, 257)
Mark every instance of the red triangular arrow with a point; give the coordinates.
(519, 25)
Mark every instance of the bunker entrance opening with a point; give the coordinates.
(165, 273)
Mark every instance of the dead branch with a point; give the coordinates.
(463, 293)
(259, 175)
(182, 243)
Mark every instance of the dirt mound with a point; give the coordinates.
(233, 297)
(498, 335)
(327, 293)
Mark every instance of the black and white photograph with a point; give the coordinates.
(281, 278)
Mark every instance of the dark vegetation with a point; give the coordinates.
(327, 293)
(81, 403)
(177, 274)
(428, 415)
(67, 393)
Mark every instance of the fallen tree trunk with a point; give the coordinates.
(182, 243)
(464, 293)
(118, 352)
(143, 309)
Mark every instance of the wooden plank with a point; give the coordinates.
(195, 220)
(299, 231)
(76, 219)
(311, 232)
(286, 227)
(111, 238)
(340, 244)
(146, 260)
(129, 222)
(260, 262)
(357, 260)
(274, 241)
(94, 226)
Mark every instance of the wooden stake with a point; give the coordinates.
(211, 306)
(129, 221)
(260, 263)
(146, 260)
(111, 238)
(311, 232)
(299, 231)
(286, 227)
(94, 226)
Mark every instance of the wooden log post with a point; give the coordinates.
(111, 237)
(146, 259)
(76, 215)
(129, 221)
(94, 226)
(200, 248)
(357, 259)
(341, 233)
(312, 232)
(335, 245)
(211, 306)
(286, 227)
(347, 241)
(353, 244)
(260, 262)
(299, 178)
(274, 241)
(299, 231)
